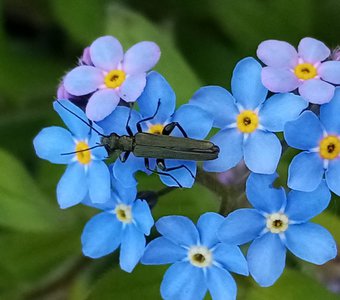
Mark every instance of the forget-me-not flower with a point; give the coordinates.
(200, 261)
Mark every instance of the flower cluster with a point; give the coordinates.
(294, 92)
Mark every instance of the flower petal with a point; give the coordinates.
(305, 132)
(246, 84)
(262, 195)
(141, 57)
(305, 172)
(252, 222)
(132, 248)
(230, 142)
(231, 258)
(218, 102)
(106, 53)
(142, 216)
(189, 116)
(182, 281)
(207, 226)
(330, 71)
(100, 152)
(132, 87)
(266, 258)
(312, 50)
(70, 114)
(311, 242)
(178, 229)
(183, 176)
(262, 152)
(317, 91)
(279, 80)
(279, 109)
(329, 114)
(101, 235)
(53, 141)
(72, 187)
(221, 284)
(277, 54)
(302, 206)
(162, 251)
(83, 80)
(157, 89)
(99, 182)
(333, 175)
(101, 104)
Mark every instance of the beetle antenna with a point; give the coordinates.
(87, 123)
(83, 150)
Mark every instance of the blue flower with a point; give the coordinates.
(200, 261)
(248, 122)
(158, 97)
(124, 222)
(320, 140)
(279, 222)
(86, 172)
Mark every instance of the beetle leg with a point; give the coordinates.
(139, 127)
(171, 126)
(146, 162)
(161, 165)
(125, 156)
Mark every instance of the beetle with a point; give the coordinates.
(159, 146)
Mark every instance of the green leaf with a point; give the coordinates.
(330, 222)
(130, 28)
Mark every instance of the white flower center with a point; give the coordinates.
(200, 256)
(277, 222)
(123, 213)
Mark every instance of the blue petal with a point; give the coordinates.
(179, 230)
(98, 153)
(182, 175)
(99, 182)
(51, 142)
(101, 235)
(70, 115)
(279, 109)
(221, 284)
(262, 195)
(330, 71)
(333, 176)
(218, 102)
(231, 258)
(241, 226)
(311, 242)
(123, 194)
(132, 248)
(157, 89)
(72, 187)
(262, 152)
(132, 87)
(230, 142)
(116, 122)
(302, 206)
(305, 132)
(305, 172)
(162, 251)
(246, 83)
(329, 114)
(182, 281)
(142, 216)
(266, 259)
(207, 226)
(196, 122)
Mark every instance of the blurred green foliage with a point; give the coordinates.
(40, 251)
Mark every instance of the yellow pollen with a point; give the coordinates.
(247, 121)
(330, 147)
(156, 129)
(277, 222)
(84, 156)
(305, 71)
(123, 213)
(114, 79)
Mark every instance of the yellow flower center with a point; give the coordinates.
(156, 129)
(114, 78)
(123, 213)
(277, 223)
(247, 121)
(83, 154)
(305, 71)
(200, 256)
(330, 147)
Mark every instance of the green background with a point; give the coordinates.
(40, 251)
